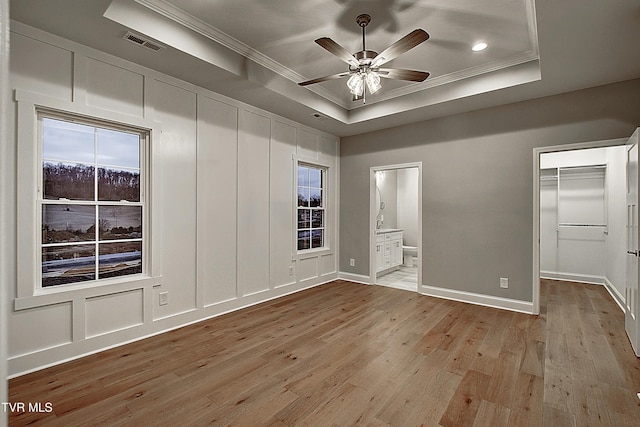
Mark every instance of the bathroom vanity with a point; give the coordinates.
(388, 249)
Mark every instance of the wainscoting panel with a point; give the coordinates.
(253, 202)
(110, 313)
(114, 88)
(39, 328)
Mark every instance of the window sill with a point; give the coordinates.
(43, 297)
(312, 253)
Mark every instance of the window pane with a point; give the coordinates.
(68, 264)
(116, 185)
(303, 176)
(317, 219)
(304, 215)
(317, 238)
(304, 240)
(120, 222)
(303, 197)
(68, 223)
(68, 181)
(67, 141)
(120, 259)
(117, 148)
(315, 178)
(315, 197)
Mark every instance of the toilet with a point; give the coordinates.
(408, 254)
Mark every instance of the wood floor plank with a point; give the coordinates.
(347, 354)
(465, 403)
(491, 415)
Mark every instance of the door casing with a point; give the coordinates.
(537, 152)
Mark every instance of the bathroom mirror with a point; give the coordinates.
(379, 202)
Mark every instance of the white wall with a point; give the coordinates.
(408, 205)
(222, 206)
(573, 253)
(615, 271)
(388, 187)
(7, 195)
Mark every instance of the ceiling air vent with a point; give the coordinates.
(139, 40)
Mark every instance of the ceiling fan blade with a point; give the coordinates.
(325, 78)
(338, 51)
(395, 73)
(411, 40)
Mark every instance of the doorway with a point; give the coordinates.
(576, 189)
(396, 226)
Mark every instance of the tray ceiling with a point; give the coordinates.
(257, 51)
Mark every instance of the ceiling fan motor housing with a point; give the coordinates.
(364, 57)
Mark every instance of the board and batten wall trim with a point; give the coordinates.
(209, 158)
(7, 207)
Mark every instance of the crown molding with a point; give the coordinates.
(193, 23)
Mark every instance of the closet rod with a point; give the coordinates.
(580, 225)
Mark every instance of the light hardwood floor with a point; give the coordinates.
(348, 354)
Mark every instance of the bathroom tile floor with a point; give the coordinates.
(403, 278)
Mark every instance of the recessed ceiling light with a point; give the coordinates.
(479, 46)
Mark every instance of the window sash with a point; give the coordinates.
(100, 254)
(311, 217)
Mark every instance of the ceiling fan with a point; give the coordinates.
(364, 66)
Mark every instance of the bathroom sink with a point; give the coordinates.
(387, 230)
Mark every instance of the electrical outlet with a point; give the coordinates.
(352, 262)
(504, 282)
(163, 298)
(291, 270)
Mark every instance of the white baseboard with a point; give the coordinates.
(584, 278)
(358, 278)
(572, 277)
(615, 294)
(478, 299)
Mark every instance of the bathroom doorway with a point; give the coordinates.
(396, 226)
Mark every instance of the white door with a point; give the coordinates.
(631, 319)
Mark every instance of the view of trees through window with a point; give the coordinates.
(311, 207)
(92, 210)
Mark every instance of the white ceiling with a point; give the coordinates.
(257, 51)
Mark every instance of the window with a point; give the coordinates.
(91, 200)
(311, 207)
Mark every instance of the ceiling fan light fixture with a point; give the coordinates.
(356, 84)
(373, 81)
(364, 66)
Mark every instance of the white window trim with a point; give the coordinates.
(328, 224)
(29, 292)
(142, 203)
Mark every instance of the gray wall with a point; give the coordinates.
(477, 181)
